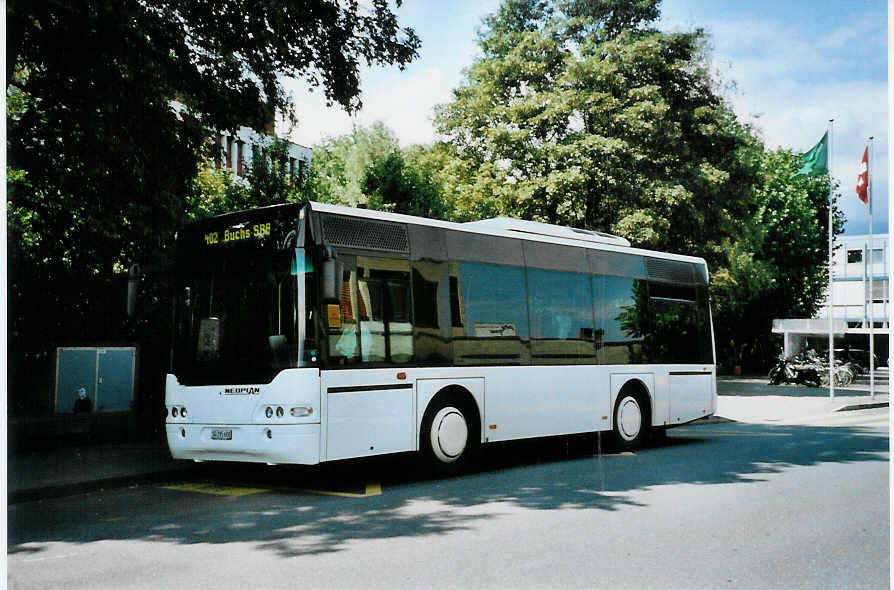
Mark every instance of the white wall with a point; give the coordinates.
(249, 139)
(850, 279)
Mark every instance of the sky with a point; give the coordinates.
(791, 65)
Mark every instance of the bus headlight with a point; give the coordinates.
(279, 412)
(302, 411)
(174, 411)
(183, 412)
(268, 412)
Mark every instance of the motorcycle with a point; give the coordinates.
(794, 370)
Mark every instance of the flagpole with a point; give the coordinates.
(871, 272)
(831, 296)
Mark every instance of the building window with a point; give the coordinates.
(302, 167)
(230, 152)
(240, 167)
(854, 256)
(879, 291)
(291, 170)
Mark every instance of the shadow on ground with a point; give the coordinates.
(760, 387)
(559, 473)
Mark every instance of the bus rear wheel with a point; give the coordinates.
(447, 436)
(631, 424)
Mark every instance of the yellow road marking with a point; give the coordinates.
(371, 489)
(214, 489)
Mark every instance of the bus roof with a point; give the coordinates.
(514, 228)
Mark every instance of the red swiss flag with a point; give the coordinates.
(863, 177)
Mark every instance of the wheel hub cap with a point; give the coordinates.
(629, 418)
(449, 434)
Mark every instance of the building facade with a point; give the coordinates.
(857, 302)
(854, 263)
(235, 151)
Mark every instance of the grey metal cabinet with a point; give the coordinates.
(105, 374)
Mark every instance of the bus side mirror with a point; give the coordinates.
(331, 277)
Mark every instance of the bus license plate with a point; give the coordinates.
(221, 435)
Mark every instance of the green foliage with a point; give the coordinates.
(581, 115)
(90, 116)
(404, 183)
(109, 163)
(778, 267)
(368, 167)
(268, 181)
(339, 165)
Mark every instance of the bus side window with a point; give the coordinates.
(561, 312)
(674, 335)
(383, 312)
(431, 313)
(621, 306)
(493, 302)
(341, 323)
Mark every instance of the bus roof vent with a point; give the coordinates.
(671, 270)
(365, 234)
(545, 229)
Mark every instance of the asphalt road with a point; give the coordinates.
(716, 505)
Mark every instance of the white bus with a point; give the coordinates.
(310, 333)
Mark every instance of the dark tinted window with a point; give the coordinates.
(431, 313)
(237, 318)
(425, 299)
(492, 309)
(372, 324)
(705, 335)
(561, 315)
(679, 329)
(622, 318)
(673, 337)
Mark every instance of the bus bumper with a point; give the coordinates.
(294, 443)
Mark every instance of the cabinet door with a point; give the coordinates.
(75, 369)
(114, 383)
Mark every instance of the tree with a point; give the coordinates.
(403, 182)
(339, 165)
(778, 266)
(580, 114)
(101, 156)
(216, 191)
(108, 158)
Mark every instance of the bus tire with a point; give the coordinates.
(631, 420)
(448, 435)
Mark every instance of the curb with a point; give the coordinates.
(83, 487)
(866, 406)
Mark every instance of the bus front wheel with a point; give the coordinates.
(631, 425)
(447, 436)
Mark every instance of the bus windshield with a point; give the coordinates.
(241, 316)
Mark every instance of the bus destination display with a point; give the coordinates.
(238, 234)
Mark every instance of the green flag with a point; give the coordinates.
(816, 161)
